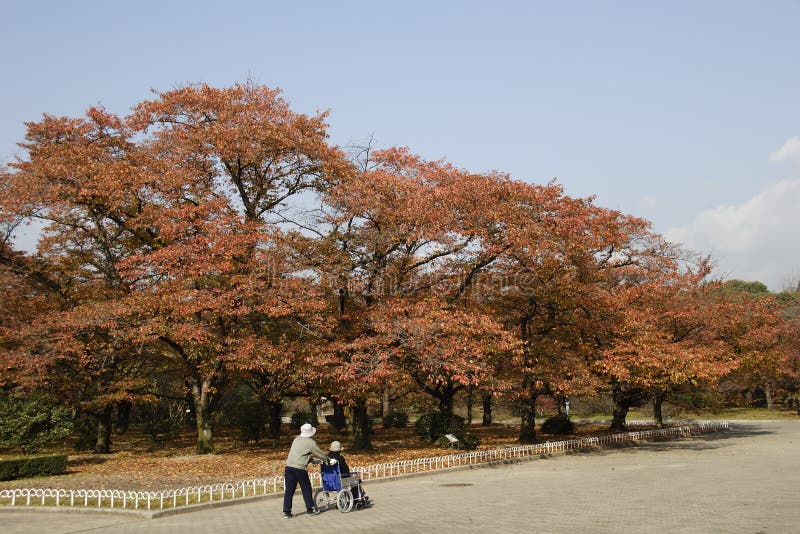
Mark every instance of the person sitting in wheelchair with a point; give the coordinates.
(335, 453)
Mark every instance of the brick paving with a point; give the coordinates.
(746, 480)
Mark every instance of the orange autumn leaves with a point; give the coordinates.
(217, 236)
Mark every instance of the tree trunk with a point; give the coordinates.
(622, 404)
(362, 429)
(202, 411)
(768, 396)
(313, 404)
(559, 406)
(658, 399)
(527, 429)
(469, 406)
(86, 428)
(123, 417)
(274, 409)
(445, 397)
(619, 415)
(386, 404)
(339, 417)
(103, 445)
(486, 399)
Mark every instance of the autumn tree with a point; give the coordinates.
(668, 339)
(223, 163)
(759, 331)
(385, 235)
(443, 349)
(789, 300)
(77, 176)
(168, 219)
(538, 259)
(215, 233)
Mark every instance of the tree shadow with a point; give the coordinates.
(697, 442)
(712, 440)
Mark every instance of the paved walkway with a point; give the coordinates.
(746, 480)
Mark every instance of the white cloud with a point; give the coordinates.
(790, 151)
(755, 240)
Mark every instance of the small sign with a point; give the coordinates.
(451, 438)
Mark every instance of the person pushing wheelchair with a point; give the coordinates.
(303, 451)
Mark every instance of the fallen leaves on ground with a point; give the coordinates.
(137, 463)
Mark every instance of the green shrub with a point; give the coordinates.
(33, 466)
(432, 426)
(558, 424)
(32, 422)
(250, 419)
(241, 410)
(693, 398)
(86, 432)
(300, 418)
(163, 421)
(395, 419)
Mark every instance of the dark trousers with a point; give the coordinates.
(294, 476)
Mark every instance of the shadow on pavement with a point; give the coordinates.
(698, 442)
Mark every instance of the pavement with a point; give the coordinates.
(746, 480)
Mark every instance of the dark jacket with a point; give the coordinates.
(343, 467)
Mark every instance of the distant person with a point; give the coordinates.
(304, 450)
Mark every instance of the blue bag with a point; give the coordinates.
(330, 477)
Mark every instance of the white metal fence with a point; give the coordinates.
(150, 500)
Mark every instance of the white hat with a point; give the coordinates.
(306, 431)
(335, 446)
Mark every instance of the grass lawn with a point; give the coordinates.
(754, 414)
(646, 413)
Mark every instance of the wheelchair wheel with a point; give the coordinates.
(344, 502)
(322, 499)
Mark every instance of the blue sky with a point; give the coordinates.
(674, 111)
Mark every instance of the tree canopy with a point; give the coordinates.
(217, 237)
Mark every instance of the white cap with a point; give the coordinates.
(306, 431)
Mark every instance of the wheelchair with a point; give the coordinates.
(343, 490)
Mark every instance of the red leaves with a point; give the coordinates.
(177, 241)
